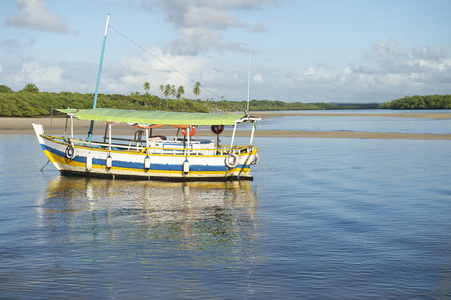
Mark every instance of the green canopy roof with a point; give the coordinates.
(154, 117)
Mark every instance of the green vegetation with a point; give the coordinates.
(267, 105)
(196, 89)
(26, 104)
(420, 102)
(31, 88)
(30, 102)
(180, 92)
(5, 89)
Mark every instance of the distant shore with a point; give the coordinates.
(56, 126)
(338, 114)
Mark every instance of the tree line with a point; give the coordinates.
(419, 102)
(26, 104)
(30, 102)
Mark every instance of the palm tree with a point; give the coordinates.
(146, 87)
(173, 91)
(167, 90)
(30, 87)
(180, 91)
(135, 96)
(197, 89)
(161, 88)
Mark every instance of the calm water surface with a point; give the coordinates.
(323, 219)
(386, 124)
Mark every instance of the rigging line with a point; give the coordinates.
(186, 76)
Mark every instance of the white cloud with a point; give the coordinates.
(195, 39)
(34, 15)
(389, 58)
(213, 17)
(347, 71)
(388, 54)
(345, 75)
(309, 72)
(34, 73)
(439, 65)
(198, 21)
(316, 73)
(257, 79)
(1, 69)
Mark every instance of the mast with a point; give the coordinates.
(248, 81)
(98, 76)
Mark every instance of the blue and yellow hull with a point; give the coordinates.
(133, 164)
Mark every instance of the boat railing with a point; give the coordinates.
(226, 149)
(159, 148)
(171, 150)
(218, 150)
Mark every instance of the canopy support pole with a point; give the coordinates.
(106, 131)
(65, 127)
(109, 136)
(72, 127)
(187, 139)
(233, 136)
(252, 133)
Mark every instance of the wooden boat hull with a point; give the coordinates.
(105, 163)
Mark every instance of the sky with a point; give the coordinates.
(349, 51)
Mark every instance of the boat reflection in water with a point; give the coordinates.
(218, 218)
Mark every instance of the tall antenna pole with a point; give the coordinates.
(98, 76)
(249, 81)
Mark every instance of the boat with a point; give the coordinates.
(146, 154)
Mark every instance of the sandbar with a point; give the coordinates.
(55, 126)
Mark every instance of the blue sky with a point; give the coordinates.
(307, 51)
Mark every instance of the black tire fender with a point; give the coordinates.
(70, 152)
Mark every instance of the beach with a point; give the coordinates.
(56, 126)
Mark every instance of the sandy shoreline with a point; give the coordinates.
(56, 126)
